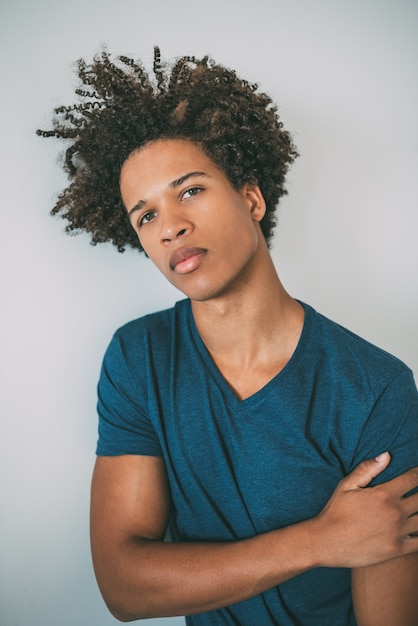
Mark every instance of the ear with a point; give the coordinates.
(255, 200)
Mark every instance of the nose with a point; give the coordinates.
(173, 226)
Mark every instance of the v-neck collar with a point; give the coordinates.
(215, 373)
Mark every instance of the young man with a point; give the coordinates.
(246, 422)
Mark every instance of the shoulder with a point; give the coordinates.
(145, 344)
(367, 396)
(353, 355)
(152, 330)
(159, 320)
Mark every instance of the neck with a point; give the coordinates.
(253, 324)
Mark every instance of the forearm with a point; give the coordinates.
(156, 579)
(387, 594)
(141, 576)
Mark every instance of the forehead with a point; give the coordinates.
(154, 166)
(166, 153)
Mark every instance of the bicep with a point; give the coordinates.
(387, 594)
(129, 501)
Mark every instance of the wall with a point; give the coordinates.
(344, 74)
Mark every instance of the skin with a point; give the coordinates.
(205, 237)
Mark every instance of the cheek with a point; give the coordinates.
(145, 240)
(241, 231)
(156, 255)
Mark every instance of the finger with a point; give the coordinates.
(405, 482)
(364, 473)
(410, 506)
(411, 527)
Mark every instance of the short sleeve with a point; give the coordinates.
(124, 427)
(392, 426)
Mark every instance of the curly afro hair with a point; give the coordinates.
(122, 108)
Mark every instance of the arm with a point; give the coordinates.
(141, 576)
(387, 594)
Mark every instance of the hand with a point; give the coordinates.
(364, 525)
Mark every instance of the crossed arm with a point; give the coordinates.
(369, 530)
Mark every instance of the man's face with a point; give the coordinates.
(200, 232)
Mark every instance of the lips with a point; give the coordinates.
(185, 260)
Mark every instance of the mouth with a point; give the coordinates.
(186, 260)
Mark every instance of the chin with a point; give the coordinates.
(205, 294)
(203, 288)
(199, 296)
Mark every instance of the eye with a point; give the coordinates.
(146, 218)
(193, 191)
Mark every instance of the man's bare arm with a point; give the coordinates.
(387, 594)
(142, 576)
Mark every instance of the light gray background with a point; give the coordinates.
(344, 75)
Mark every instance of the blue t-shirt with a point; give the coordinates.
(238, 468)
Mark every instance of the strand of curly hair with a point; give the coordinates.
(121, 108)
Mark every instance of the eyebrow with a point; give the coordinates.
(174, 183)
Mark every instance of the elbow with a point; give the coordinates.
(125, 602)
(125, 608)
(121, 613)
(122, 617)
(129, 593)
